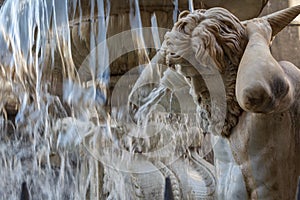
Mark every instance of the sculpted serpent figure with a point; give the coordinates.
(69, 30)
(252, 153)
(257, 153)
(42, 53)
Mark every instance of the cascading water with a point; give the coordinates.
(55, 127)
(40, 157)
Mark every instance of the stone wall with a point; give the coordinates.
(286, 45)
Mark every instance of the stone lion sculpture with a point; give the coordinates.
(257, 150)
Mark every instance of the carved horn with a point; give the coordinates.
(282, 18)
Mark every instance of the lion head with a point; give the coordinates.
(209, 34)
(216, 39)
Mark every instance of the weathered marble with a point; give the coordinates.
(81, 23)
(247, 154)
(257, 150)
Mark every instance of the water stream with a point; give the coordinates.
(41, 158)
(49, 146)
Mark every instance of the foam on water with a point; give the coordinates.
(40, 150)
(52, 149)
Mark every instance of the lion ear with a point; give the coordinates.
(183, 14)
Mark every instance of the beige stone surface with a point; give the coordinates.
(257, 161)
(286, 45)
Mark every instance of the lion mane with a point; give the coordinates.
(211, 36)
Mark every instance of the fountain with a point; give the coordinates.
(65, 134)
(213, 50)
